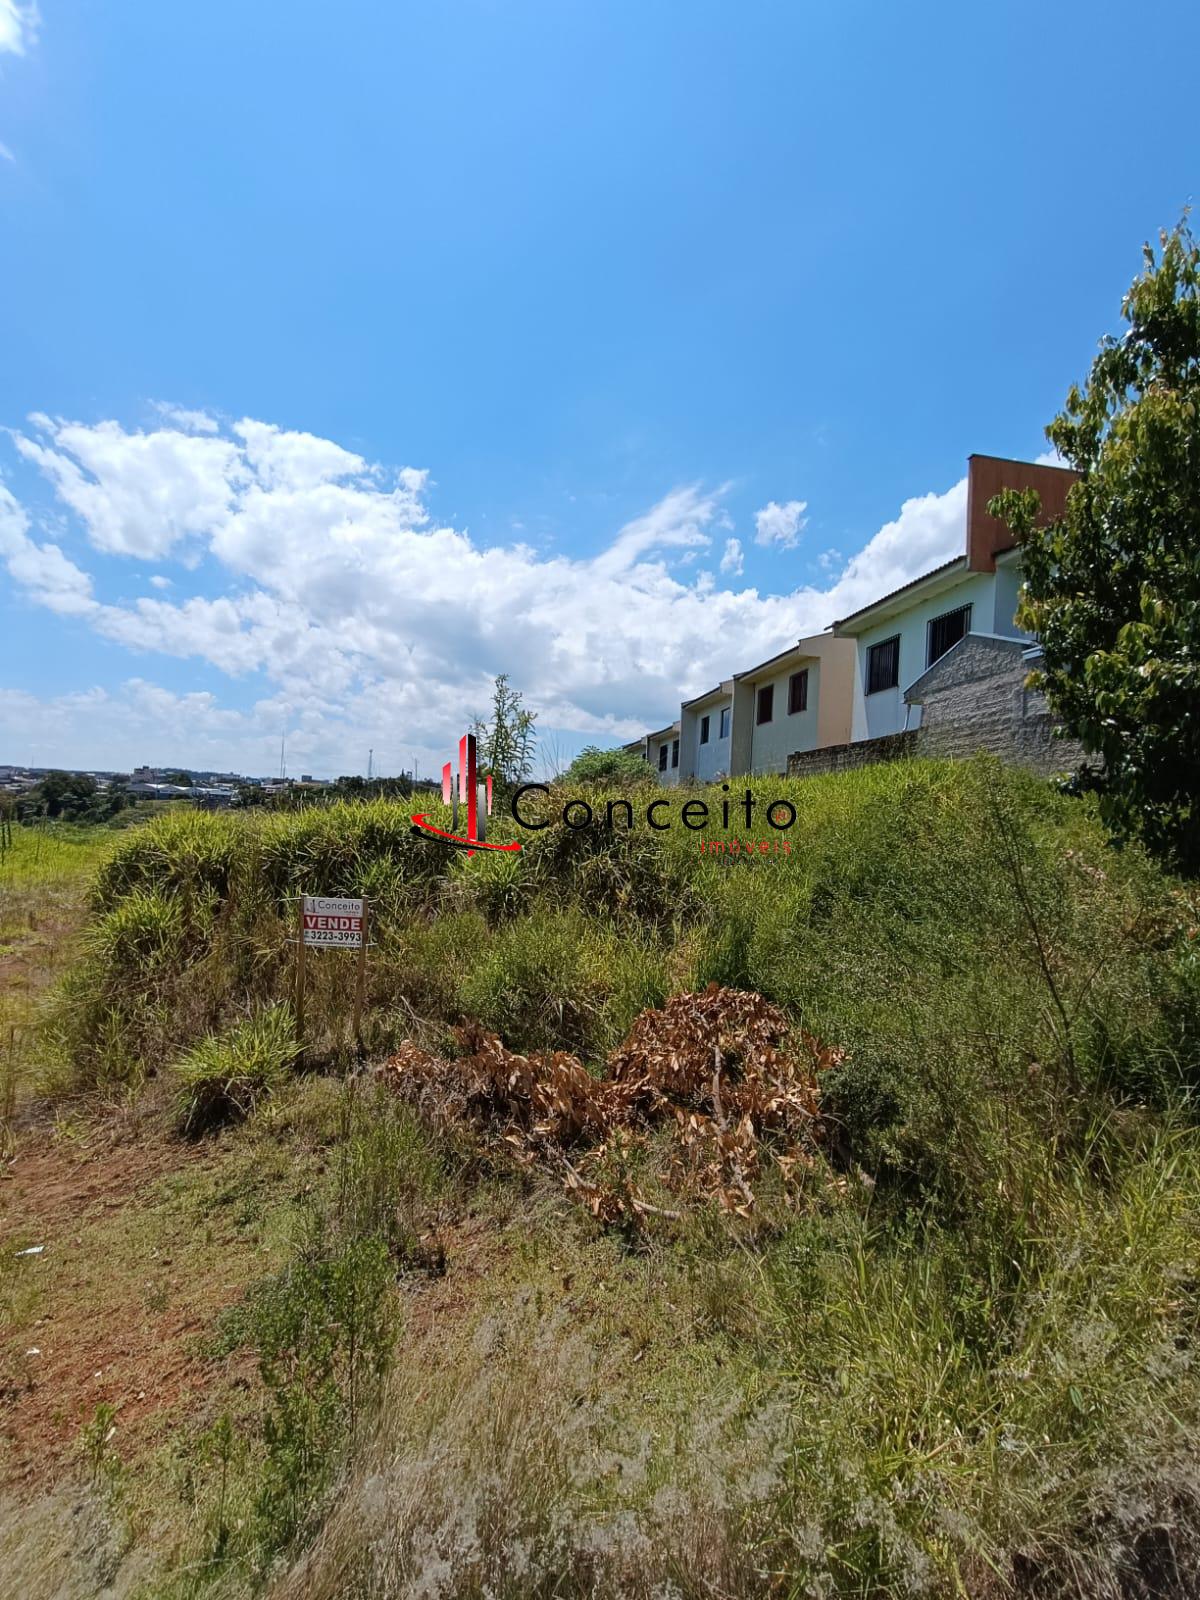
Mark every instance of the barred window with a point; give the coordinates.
(883, 665)
(945, 632)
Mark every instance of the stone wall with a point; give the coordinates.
(862, 753)
(974, 699)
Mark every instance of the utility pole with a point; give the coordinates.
(370, 764)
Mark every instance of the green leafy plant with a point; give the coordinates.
(323, 1335)
(1112, 589)
(224, 1077)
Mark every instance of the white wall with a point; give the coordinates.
(670, 775)
(711, 759)
(775, 741)
(884, 712)
(1008, 584)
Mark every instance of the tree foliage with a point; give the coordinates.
(618, 767)
(508, 741)
(71, 797)
(1112, 589)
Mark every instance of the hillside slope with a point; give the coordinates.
(898, 1298)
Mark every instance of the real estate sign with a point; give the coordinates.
(335, 923)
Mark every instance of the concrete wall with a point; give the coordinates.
(975, 699)
(859, 753)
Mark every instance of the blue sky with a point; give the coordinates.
(374, 349)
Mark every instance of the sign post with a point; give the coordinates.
(360, 978)
(300, 973)
(332, 922)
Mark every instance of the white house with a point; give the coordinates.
(900, 636)
(705, 729)
(662, 752)
(754, 721)
(801, 699)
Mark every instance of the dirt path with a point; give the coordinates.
(112, 1307)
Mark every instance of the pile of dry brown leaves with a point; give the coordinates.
(723, 1066)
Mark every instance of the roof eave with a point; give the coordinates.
(898, 601)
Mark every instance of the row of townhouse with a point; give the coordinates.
(865, 677)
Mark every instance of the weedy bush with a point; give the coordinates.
(561, 979)
(223, 1078)
(323, 1335)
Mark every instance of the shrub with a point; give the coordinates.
(608, 769)
(223, 1078)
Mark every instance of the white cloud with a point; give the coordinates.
(189, 421)
(371, 622)
(282, 460)
(42, 570)
(6, 154)
(18, 26)
(781, 525)
(138, 494)
(160, 581)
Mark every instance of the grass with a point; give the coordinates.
(224, 1078)
(953, 1358)
(42, 878)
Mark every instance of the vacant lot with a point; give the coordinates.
(821, 1223)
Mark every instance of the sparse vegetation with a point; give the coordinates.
(944, 1346)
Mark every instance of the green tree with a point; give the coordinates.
(1112, 589)
(619, 767)
(508, 742)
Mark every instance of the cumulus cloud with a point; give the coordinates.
(18, 26)
(370, 621)
(781, 525)
(189, 421)
(49, 578)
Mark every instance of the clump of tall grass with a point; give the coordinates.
(224, 1077)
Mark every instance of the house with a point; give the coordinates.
(662, 752)
(705, 729)
(754, 721)
(899, 637)
(800, 699)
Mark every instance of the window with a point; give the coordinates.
(674, 752)
(798, 692)
(883, 665)
(724, 733)
(703, 730)
(945, 631)
(766, 704)
(662, 758)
